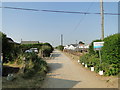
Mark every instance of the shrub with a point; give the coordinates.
(10, 50)
(33, 65)
(109, 55)
(60, 47)
(46, 50)
(91, 49)
(110, 51)
(24, 47)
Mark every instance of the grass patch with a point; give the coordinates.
(30, 75)
(19, 82)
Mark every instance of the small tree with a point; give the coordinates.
(91, 49)
(60, 47)
(81, 42)
(46, 50)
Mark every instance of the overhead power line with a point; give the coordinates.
(58, 11)
(83, 17)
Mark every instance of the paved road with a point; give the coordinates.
(64, 73)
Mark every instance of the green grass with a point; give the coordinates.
(19, 82)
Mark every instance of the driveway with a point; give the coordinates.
(65, 73)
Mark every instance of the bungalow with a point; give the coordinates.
(66, 47)
(71, 46)
(76, 47)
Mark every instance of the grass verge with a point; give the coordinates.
(20, 82)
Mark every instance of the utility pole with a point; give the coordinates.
(62, 39)
(21, 39)
(76, 42)
(102, 18)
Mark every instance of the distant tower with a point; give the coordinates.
(62, 39)
(21, 39)
(76, 42)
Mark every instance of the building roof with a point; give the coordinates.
(29, 42)
(10, 40)
(75, 45)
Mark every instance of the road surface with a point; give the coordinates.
(64, 73)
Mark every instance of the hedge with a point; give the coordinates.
(60, 47)
(109, 54)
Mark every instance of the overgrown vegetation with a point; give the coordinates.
(30, 64)
(110, 56)
(46, 50)
(33, 65)
(60, 47)
(11, 50)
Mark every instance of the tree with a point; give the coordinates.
(60, 47)
(9, 49)
(80, 42)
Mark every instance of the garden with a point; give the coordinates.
(22, 69)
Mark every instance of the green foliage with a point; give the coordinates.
(33, 64)
(110, 51)
(80, 42)
(29, 73)
(110, 56)
(60, 47)
(46, 50)
(13, 52)
(28, 46)
(91, 49)
(10, 50)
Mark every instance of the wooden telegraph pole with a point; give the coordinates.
(102, 18)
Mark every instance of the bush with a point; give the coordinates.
(24, 47)
(91, 49)
(29, 73)
(10, 50)
(46, 50)
(109, 54)
(110, 51)
(60, 47)
(34, 64)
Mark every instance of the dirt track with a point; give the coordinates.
(65, 73)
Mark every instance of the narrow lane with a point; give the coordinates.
(66, 74)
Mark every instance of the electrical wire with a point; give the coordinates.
(56, 11)
(83, 17)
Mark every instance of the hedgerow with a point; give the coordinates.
(60, 47)
(109, 55)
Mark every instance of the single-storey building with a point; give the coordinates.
(29, 42)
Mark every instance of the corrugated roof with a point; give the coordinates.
(75, 45)
(29, 42)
